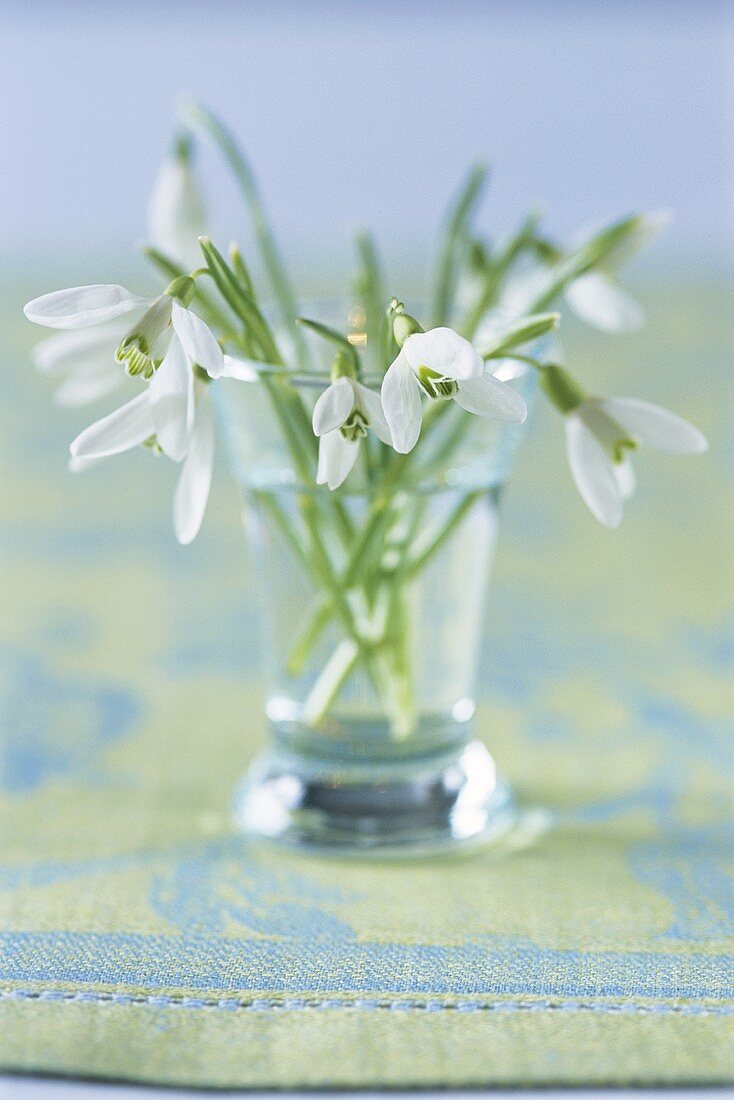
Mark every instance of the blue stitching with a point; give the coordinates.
(261, 1004)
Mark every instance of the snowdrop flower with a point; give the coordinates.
(176, 212)
(600, 301)
(82, 362)
(173, 415)
(341, 417)
(440, 364)
(144, 345)
(601, 433)
(595, 296)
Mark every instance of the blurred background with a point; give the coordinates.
(359, 115)
(367, 114)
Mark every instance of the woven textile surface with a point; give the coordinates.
(141, 938)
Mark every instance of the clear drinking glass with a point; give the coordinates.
(370, 668)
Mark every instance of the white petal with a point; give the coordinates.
(176, 213)
(65, 351)
(78, 465)
(192, 491)
(337, 456)
(198, 340)
(371, 406)
(401, 403)
(488, 396)
(655, 426)
(592, 472)
(83, 388)
(508, 369)
(599, 301)
(122, 430)
(624, 473)
(243, 370)
(333, 406)
(82, 306)
(171, 392)
(443, 350)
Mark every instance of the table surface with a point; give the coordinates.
(18, 1088)
(141, 938)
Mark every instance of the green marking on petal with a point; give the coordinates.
(142, 348)
(355, 426)
(435, 385)
(621, 446)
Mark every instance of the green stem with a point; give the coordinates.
(209, 310)
(205, 120)
(371, 293)
(367, 544)
(498, 269)
(459, 216)
(332, 679)
(420, 560)
(316, 622)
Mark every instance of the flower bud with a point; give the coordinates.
(403, 326)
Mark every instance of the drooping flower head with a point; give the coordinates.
(342, 416)
(144, 345)
(441, 365)
(603, 433)
(173, 351)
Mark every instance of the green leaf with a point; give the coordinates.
(459, 217)
(496, 268)
(333, 337)
(203, 120)
(239, 300)
(209, 309)
(522, 332)
(608, 248)
(370, 291)
(240, 269)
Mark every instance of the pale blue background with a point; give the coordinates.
(367, 114)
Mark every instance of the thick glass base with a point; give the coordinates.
(398, 807)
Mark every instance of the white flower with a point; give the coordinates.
(442, 364)
(174, 413)
(600, 301)
(341, 417)
(82, 362)
(601, 433)
(176, 213)
(595, 296)
(160, 321)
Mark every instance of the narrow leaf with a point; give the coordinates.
(239, 300)
(333, 336)
(522, 332)
(203, 120)
(370, 291)
(459, 216)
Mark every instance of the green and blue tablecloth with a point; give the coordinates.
(141, 938)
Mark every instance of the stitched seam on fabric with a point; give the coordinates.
(261, 1004)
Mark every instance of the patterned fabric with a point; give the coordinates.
(141, 938)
